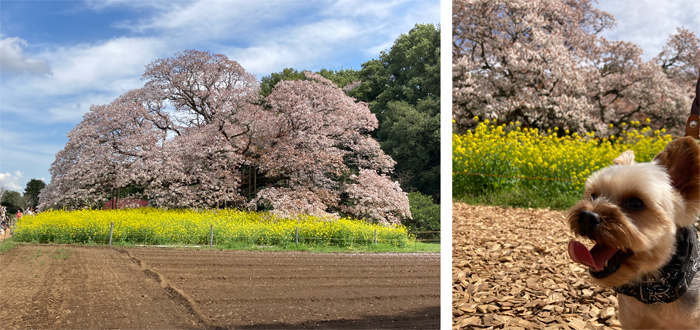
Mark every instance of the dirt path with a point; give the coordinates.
(511, 269)
(78, 287)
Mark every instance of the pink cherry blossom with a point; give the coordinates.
(544, 63)
(198, 135)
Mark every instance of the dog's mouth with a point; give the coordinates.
(602, 260)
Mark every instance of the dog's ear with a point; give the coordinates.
(625, 158)
(681, 158)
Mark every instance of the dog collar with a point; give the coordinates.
(676, 275)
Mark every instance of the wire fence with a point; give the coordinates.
(213, 238)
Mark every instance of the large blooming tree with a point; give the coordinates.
(311, 140)
(545, 64)
(198, 134)
(110, 149)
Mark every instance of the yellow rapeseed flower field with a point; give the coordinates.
(494, 157)
(154, 226)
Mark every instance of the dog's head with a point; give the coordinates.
(631, 211)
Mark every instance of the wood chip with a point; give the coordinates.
(577, 324)
(511, 270)
(474, 320)
(607, 313)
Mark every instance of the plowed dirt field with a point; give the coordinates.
(83, 287)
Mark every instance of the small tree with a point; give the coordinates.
(13, 201)
(32, 191)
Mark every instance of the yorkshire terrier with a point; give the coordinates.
(640, 216)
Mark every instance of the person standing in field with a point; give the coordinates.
(3, 219)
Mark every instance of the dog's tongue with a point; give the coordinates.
(595, 258)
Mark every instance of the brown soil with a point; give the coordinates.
(82, 287)
(510, 268)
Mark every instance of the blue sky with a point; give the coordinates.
(57, 58)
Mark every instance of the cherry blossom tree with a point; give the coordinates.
(108, 150)
(375, 196)
(622, 87)
(311, 141)
(680, 58)
(544, 63)
(198, 135)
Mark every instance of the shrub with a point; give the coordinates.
(495, 158)
(154, 226)
(426, 216)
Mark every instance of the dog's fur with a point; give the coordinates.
(669, 190)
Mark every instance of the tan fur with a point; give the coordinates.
(626, 158)
(669, 187)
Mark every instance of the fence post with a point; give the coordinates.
(211, 236)
(296, 235)
(375, 236)
(111, 231)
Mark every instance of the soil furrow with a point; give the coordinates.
(140, 288)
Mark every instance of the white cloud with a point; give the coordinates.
(83, 75)
(340, 30)
(99, 66)
(649, 23)
(11, 180)
(267, 57)
(204, 20)
(301, 47)
(262, 37)
(356, 8)
(13, 60)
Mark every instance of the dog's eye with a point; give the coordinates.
(634, 204)
(593, 197)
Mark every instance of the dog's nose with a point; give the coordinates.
(587, 221)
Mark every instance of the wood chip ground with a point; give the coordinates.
(511, 270)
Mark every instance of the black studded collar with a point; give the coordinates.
(676, 275)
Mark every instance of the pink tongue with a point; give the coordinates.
(595, 258)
